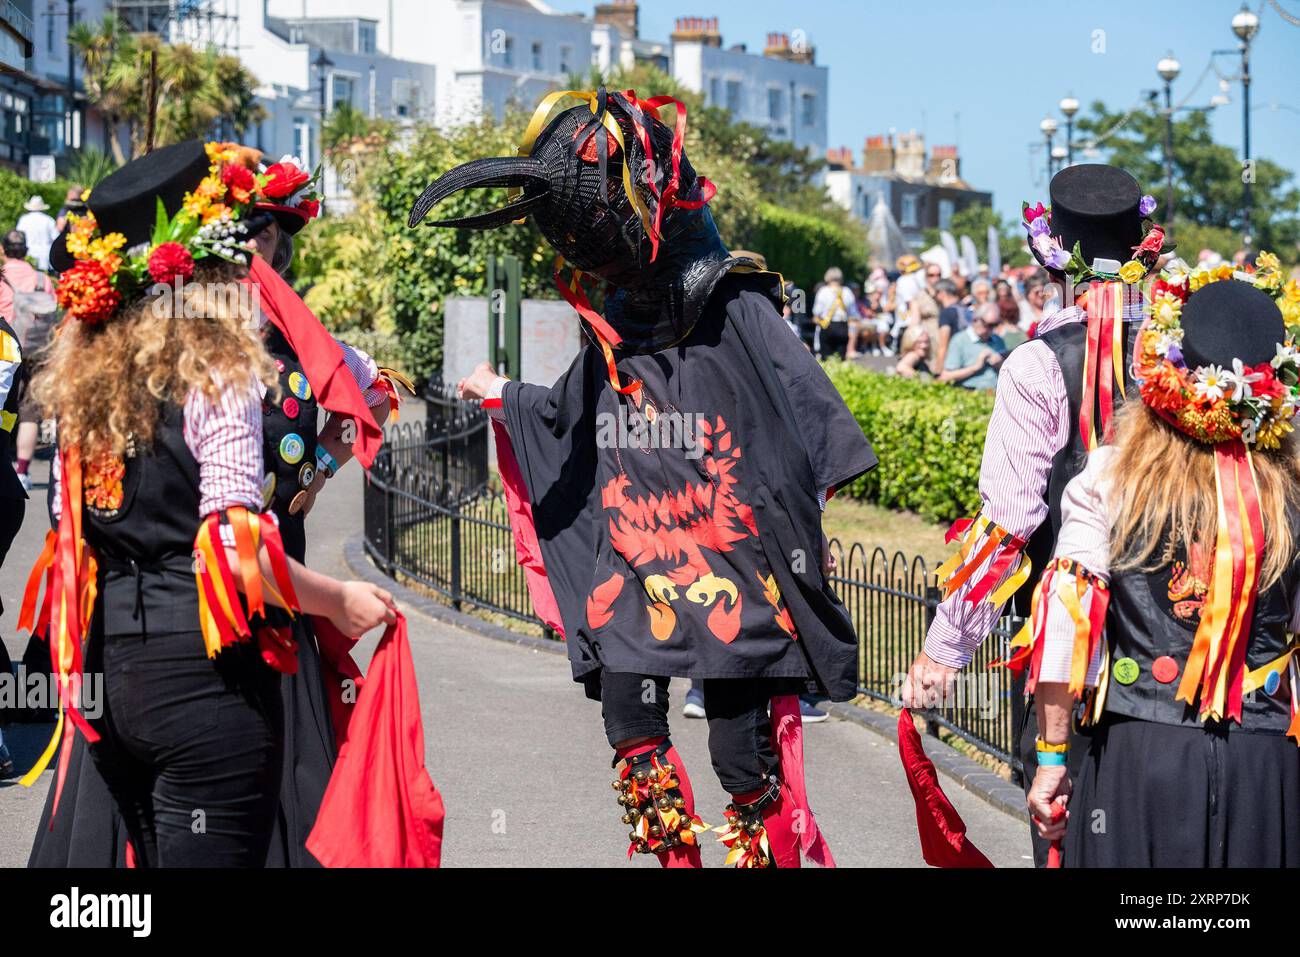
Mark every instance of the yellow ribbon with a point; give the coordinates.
(1012, 584)
(1255, 679)
(7, 420)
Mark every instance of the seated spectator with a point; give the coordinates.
(914, 361)
(1005, 323)
(950, 317)
(974, 356)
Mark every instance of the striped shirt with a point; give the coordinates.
(1030, 424)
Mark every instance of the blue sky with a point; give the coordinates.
(983, 73)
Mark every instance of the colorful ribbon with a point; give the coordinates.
(576, 297)
(962, 566)
(1103, 364)
(1216, 666)
(387, 382)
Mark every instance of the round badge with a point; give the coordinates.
(268, 489)
(279, 365)
(299, 386)
(292, 448)
(1272, 682)
(1126, 671)
(298, 501)
(1164, 669)
(306, 474)
(290, 407)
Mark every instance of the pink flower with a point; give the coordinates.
(1033, 212)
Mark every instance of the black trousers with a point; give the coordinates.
(191, 748)
(11, 520)
(1026, 717)
(740, 730)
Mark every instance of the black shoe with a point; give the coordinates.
(6, 762)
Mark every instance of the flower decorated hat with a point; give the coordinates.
(152, 221)
(1097, 212)
(290, 193)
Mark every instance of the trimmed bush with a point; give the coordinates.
(16, 190)
(801, 247)
(929, 438)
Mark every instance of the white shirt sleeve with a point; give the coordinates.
(1084, 538)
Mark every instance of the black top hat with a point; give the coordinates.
(126, 201)
(1229, 320)
(1096, 206)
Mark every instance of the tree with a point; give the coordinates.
(974, 221)
(196, 92)
(1208, 188)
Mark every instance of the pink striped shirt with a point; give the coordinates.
(1029, 425)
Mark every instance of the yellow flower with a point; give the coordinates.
(1292, 290)
(217, 155)
(1270, 436)
(1166, 310)
(1132, 272)
(211, 188)
(1267, 262)
(105, 248)
(215, 212)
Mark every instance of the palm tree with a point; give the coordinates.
(101, 48)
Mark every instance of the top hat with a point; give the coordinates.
(126, 201)
(1096, 206)
(1230, 320)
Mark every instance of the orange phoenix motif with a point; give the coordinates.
(675, 530)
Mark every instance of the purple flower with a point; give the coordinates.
(1039, 227)
(1058, 258)
(1175, 355)
(1147, 205)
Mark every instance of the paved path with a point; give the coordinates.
(520, 758)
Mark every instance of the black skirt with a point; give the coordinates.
(89, 832)
(1158, 795)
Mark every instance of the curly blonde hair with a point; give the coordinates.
(104, 384)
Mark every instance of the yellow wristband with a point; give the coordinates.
(1044, 748)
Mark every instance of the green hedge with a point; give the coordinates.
(929, 438)
(801, 247)
(15, 190)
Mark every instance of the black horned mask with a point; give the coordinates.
(607, 183)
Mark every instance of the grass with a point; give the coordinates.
(851, 520)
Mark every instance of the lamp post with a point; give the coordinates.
(322, 63)
(1048, 126)
(1169, 68)
(1245, 24)
(1069, 106)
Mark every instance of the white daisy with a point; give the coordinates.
(1210, 382)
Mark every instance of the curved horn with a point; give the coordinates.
(513, 171)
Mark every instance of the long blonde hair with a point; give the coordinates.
(1164, 495)
(104, 384)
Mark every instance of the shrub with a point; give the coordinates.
(929, 438)
(16, 190)
(801, 246)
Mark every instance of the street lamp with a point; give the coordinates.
(1245, 24)
(1169, 68)
(322, 63)
(1048, 126)
(1069, 106)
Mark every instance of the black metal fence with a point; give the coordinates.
(433, 517)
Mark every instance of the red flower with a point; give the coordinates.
(1267, 384)
(1160, 286)
(1153, 242)
(85, 292)
(1033, 212)
(309, 208)
(170, 261)
(283, 180)
(239, 180)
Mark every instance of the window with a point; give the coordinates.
(909, 211)
(713, 91)
(401, 96)
(774, 100)
(946, 209)
(566, 60)
(365, 38)
(734, 100)
(343, 88)
(508, 52)
(302, 141)
(808, 109)
(49, 28)
(537, 57)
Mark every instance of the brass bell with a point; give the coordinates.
(640, 776)
(626, 818)
(680, 803)
(616, 785)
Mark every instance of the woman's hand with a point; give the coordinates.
(476, 384)
(362, 606)
(1050, 791)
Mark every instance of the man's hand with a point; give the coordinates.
(1047, 798)
(475, 386)
(928, 684)
(828, 557)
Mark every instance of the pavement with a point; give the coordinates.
(519, 753)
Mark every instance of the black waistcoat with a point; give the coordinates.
(141, 523)
(10, 487)
(1069, 344)
(289, 427)
(1154, 615)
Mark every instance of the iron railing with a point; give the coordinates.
(433, 517)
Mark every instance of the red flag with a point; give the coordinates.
(381, 808)
(942, 831)
(321, 357)
(337, 667)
